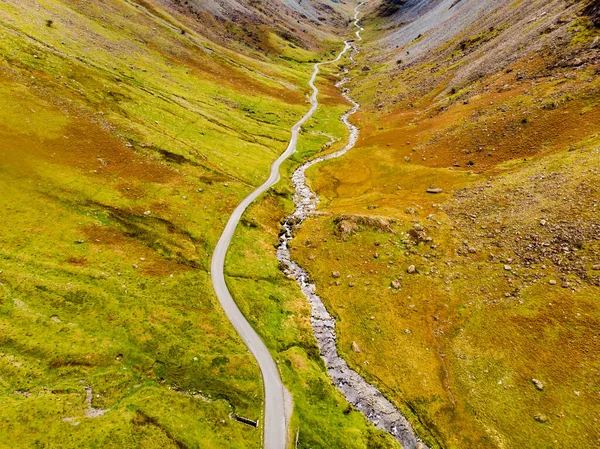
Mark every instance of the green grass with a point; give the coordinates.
(118, 175)
(78, 314)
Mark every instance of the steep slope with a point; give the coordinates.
(127, 137)
(457, 300)
(258, 26)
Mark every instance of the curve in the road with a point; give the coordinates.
(278, 402)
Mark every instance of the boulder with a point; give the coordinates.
(539, 385)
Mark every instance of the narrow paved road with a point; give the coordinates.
(278, 402)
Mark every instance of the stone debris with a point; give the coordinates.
(434, 190)
(70, 420)
(538, 384)
(91, 412)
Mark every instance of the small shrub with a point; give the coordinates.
(49, 23)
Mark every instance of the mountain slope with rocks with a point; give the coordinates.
(477, 312)
(254, 25)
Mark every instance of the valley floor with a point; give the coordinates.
(457, 245)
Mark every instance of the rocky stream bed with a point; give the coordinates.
(361, 394)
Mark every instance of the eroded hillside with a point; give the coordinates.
(260, 27)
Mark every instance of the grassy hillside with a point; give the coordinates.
(129, 130)
(503, 117)
(126, 139)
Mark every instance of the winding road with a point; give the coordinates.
(278, 401)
